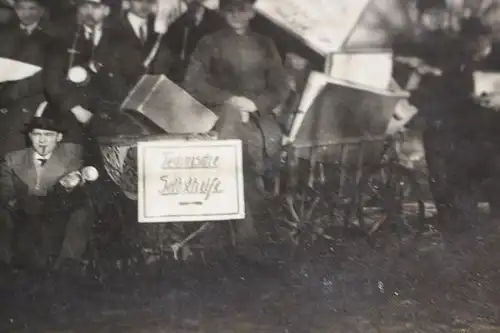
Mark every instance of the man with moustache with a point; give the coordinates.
(51, 217)
(25, 40)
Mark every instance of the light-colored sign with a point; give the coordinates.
(167, 12)
(372, 69)
(169, 106)
(486, 83)
(324, 25)
(13, 70)
(183, 181)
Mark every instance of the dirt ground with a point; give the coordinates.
(440, 282)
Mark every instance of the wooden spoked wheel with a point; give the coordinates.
(389, 195)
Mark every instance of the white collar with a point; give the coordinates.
(97, 30)
(37, 156)
(136, 22)
(198, 16)
(29, 28)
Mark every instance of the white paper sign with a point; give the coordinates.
(183, 181)
(167, 12)
(324, 25)
(486, 83)
(369, 69)
(316, 82)
(13, 70)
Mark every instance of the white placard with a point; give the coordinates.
(184, 181)
(324, 25)
(14, 70)
(167, 12)
(369, 69)
(486, 83)
(316, 82)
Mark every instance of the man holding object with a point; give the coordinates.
(40, 203)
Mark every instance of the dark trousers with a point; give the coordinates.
(451, 161)
(261, 139)
(34, 239)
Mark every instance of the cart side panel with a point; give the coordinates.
(343, 114)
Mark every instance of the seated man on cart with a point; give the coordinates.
(45, 215)
(240, 76)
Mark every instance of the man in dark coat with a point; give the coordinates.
(39, 202)
(141, 50)
(23, 40)
(78, 75)
(184, 34)
(446, 102)
(240, 76)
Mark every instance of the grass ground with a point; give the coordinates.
(442, 282)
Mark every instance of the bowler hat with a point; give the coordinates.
(97, 2)
(425, 5)
(225, 5)
(46, 118)
(473, 27)
(39, 2)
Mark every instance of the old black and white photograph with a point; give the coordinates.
(250, 166)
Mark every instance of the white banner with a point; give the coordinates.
(167, 12)
(373, 69)
(486, 83)
(13, 70)
(324, 25)
(182, 181)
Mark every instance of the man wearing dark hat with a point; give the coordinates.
(25, 40)
(40, 201)
(240, 76)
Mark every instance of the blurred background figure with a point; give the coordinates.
(186, 31)
(23, 39)
(140, 49)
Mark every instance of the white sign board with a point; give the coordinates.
(13, 70)
(369, 69)
(486, 83)
(184, 181)
(324, 25)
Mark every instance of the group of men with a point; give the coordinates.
(460, 134)
(90, 62)
(92, 57)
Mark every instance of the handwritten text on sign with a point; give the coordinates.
(182, 181)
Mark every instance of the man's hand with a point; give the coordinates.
(243, 104)
(82, 115)
(12, 203)
(71, 180)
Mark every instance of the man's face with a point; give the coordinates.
(142, 8)
(44, 141)
(480, 47)
(29, 12)
(435, 19)
(92, 14)
(238, 17)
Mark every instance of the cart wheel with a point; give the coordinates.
(390, 194)
(307, 215)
